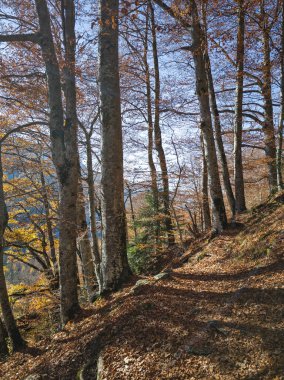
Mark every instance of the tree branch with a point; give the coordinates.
(29, 37)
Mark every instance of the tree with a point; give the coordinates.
(92, 200)
(158, 134)
(3, 345)
(281, 113)
(115, 267)
(151, 163)
(238, 123)
(268, 126)
(84, 244)
(197, 47)
(216, 119)
(10, 323)
(63, 137)
(205, 198)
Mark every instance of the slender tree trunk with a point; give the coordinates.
(153, 170)
(217, 123)
(281, 116)
(132, 211)
(198, 46)
(10, 323)
(238, 122)
(93, 220)
(64, 153)
(55, 282)
(205, 197)
(158, 135)
(268, 128)
(3, 345)
(115, 266)
(194, 229)
(84, 243)
(178, 228)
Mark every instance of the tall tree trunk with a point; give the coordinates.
(281, 116)
(238, 122)
(10, 323)
(268, 128)
(153, 170)
(115, 266)
(64, 154)
(205, 198)
(93, 219)
(198, 46)
(217, 123)
(84, 244)
(55, 282)
(3, 345)
(158, 134)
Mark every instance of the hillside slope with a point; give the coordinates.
(217, 316)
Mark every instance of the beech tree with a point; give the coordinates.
(238, 123)
(64, 144)
(3, 344)
(115, 267)
(197, 47)
(281, 113)
(9, 320)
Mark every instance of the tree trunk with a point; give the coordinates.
(10, 323)
(217, 123)
(179, 229)
(84, 243)
(158, 135)
(268, 127)
(153, 170)
(64, 154)
(205, 198)
(198, 45)
(238, 122)
(55, 282)
(115, 266)
(281, 116)
(3, 345)
(92, 202)
(132, 211)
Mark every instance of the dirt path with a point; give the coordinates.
(204, 325)
(205, 321)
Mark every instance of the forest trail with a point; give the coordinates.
(218, 316)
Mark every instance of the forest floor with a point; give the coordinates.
(219, 315)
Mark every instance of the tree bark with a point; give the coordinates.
(158, 134)
(217, 123)
(84, 244)
(238, 120)
(64, 153)
(93, 219)
(115, 266)
(198, 46)
(55, 282)
(281, 116)
(153, 170)
(10, 323)
(205, 197)
(268, 127)
(3, 344)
